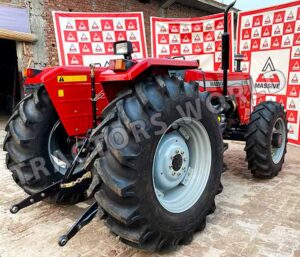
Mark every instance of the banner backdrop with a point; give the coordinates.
(84, 38)
(194, 38)
(269, 38)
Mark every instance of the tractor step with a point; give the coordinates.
(85, 219)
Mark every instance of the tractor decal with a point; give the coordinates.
(269, 77)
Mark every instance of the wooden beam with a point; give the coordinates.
(167, 3)
(18, 36)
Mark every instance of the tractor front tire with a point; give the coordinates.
(151, 200)
(266, 140)
(26, 144)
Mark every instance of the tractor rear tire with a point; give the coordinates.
(264, 160)
(26, 144)
(128, 191)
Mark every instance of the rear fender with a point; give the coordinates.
(114, 82)
(69, 89)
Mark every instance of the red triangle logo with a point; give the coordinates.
(186, 50)
(83, 37)
(96, 37)
(265, 44)
(297, 53)
(95, 25)
(290, 16)
(247, 24)
(296, 66)
(279, 18)
(119, 25)
(174, 29)
(82, 26)
(163, 50)
(291, 118)
(293, 92)
(185, 28)
(131, 26)
(74, 60)
(72, 48)
(197, 38)
(85, 49)
(291, 130)
(198, 49)
(71, 37)
(295, 79)
(107, 25)
(132, 36)
(174, 39)
(69, 26)
(175, 50)
(292, 105)
(287, 41)
(276, 43)
(98, 49)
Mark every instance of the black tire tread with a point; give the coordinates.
(117, 195)
(258, 140)
(21, 143)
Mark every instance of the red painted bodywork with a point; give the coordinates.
(74, 107)
(239, 85)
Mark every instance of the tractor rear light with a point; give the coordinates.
(30, 73)
(117, 65)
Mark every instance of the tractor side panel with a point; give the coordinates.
(70, 92)
(239, 85)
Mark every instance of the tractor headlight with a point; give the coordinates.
(123, 48)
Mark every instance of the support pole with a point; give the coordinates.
(93, 95)
(226, 49)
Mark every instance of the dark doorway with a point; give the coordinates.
(10, 86)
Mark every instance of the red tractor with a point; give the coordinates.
(144, 137)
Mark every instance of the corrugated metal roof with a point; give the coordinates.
(211, 6)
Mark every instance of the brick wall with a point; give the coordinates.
(151, 9)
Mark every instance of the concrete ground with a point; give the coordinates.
(253, 218)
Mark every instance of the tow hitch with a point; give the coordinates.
(66, 182)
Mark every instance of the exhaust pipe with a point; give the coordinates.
(226, 48)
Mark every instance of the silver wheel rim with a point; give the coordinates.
(182, 164)
(60, 161)
(277, 153)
